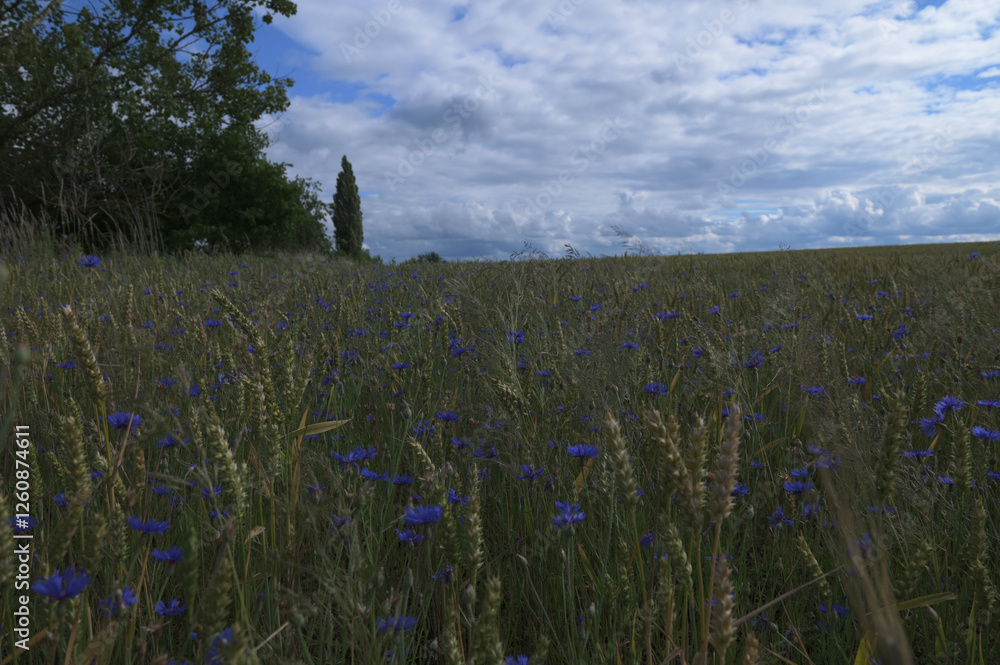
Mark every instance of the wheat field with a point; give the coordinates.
(749, 458)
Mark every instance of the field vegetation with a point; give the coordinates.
(750, 458)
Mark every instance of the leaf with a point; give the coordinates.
(257, 530)
(582, 478)
(864, 651)
(586, 562)
(319, 428)
(924, 601)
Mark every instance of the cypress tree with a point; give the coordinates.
(347, 231)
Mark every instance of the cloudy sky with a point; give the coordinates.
(693, 125)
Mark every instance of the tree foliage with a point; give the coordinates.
(347, 225)
(131, 108)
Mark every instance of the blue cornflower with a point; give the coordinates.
(447, 416)
(567, 515)
(515, 337)
(810, 510)
(69, 364)
(816, 390)
(629, 345)
(401, 365)
(778, 518)
(798, 486)
(212, 323)
(754, 361)
(918, 454)
(409, 536)
(444, 575)
(738, 489)
(981, 432)
(516, 660)
(171, 609)
(799, 474)
(582, 450)
(395, 624)
(172, 555)
(166, 382)
(856, 381)
(340, 521)
(646, 540)
(582, 352)
(947, 480)
(371, 475)
(929, 425)
(992, 403)
(528, 474)
(89, 261)
(63, 585)
(116, 602)
(657, 388)
(151, 527)
(422, 515)
(947, 405)
(453, 497)
(120, 420)
(402, 479)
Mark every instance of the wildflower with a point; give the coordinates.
(646, 540)
(409, 536)
(582, 450)
(629, 345)
(810, 510)
(816, 390)
(947, 480)
(116, 602)
(515, 337)
(371, 475)
(582, 352)
(150, 527)
(798, 486)
(89, 261)
(985, 434)
(919, 454)
(656, 388)
(171, 609)
(69, 364)
(738, 489)
(172, 555)
(340, 521)
(399, 623)
(400, 366)
(444, 575)
(122, 419)
(422, 515)
(212, 323)
(63, 585)
(528, 474)
(856, 381)
(993, 403)
(799, 474)
(929, 425)
(778, 518)
(402, 479)
(947, 405)
(516, 660)
(567, 514)
(754, 361)
(453, 497)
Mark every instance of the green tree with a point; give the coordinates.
(111, 113)
(244, 202)
(347, 228)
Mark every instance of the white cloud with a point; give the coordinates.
(492, 108)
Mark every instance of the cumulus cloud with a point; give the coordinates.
(726, 125)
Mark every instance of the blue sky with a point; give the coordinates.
(696, 126)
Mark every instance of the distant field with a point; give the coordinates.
(287, 460)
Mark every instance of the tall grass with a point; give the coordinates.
(747, 458)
